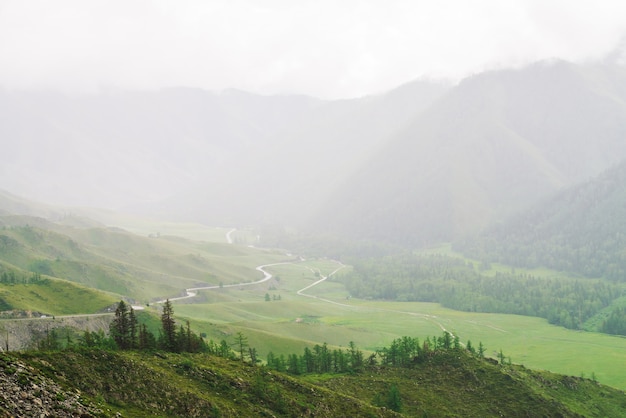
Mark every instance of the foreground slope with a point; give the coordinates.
(449, 384)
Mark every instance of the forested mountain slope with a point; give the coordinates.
(581, 230)
(497, 142)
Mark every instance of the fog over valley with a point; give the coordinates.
(423, 163)
(331, 209)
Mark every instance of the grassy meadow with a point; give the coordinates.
(288, 325)
(55, 297)
(142, 268)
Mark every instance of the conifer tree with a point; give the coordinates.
(394, 402)
(120, 326)
(481, 349)
(501, 357)
(242, 344)
(223, 350)
(169, 326)
(470, 347)
(132, 329)
(146, 338)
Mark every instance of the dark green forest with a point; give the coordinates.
(581, 230)
(458, 284)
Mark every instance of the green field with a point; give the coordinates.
(147, 269)
(287, 325)
(55, 297)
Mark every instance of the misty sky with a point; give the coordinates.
(329, 49)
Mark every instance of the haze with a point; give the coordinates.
(349, 118)
(389, 168)
(323, 48)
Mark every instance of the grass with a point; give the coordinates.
(146, 269)
(143, 226)
(141, 384)
(55, 297)
(274, 326)
(117, 261)
(450, 383)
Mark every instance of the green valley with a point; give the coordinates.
(58, 270)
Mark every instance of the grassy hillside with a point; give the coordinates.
(448, 384)
(459, 385)
(147, 268)
(53, 297)
(110, 259)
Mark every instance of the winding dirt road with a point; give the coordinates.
(193, 291)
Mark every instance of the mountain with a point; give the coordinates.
(494, 144)
(581, 230)
(11, 204)
(421, 164)
(290, 178)
(123, 147)
(68, 244)
(117, 261)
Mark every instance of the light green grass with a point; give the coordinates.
(295, 321)
(148, 268)
(144, 226)
(55, 297)
(142, 268)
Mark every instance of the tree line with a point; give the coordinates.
(127, 332)
(615, 323)
(402, 352)
(11, 277)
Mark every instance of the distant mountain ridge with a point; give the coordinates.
(422, 164)
(496, 143)
(119, 147)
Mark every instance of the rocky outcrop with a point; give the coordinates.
(22, 334)
(26, 393)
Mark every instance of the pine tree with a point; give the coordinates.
(169, 326)
(293, 364)
(132, 329)
(146, 338)
(356, 357)
(394, 402)
(254, 356)
(501, 356)
(120, 326)
(224, 350)
(481, 349)
(242, 344)
(470, 347)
